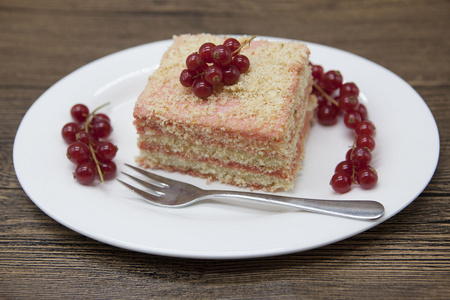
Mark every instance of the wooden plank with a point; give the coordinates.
(42, 41)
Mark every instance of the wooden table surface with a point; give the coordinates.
(407, 256)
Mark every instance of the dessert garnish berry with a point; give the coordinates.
(215, 65)
(88, 147)
(337, 98)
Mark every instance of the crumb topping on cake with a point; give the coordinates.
(261, 101)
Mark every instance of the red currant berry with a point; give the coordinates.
(327, 114)
(366, 141)
(348, 155)
(367, 178)
(241, 62)
(205, 52)
(69, 132)
(221, 55)
(81, 126)
(101, 129)
(109, 170)
(332, 80)
(85, 138)
(78, 152)
(345, 166)
(85, 173)
(324, 89)
(233, 44)
(202, 89)
(230, 75)
(79, 112)
(194, 62)
(361, 157)
(348, 103)
(321, 100)
(317, 72)
(187, 77)
(106, 151)
(341, 182)
(365, 127)
(349, 88)
(362, 111)
(213, 75)
(351, 119)
(98, 117)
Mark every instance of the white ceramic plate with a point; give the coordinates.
(405, 157)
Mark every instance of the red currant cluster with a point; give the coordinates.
(213, 65)
(337, 98)
(88, 147)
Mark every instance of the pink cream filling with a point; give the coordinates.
(234, 165)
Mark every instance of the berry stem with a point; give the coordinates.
(97, 164)
(86, 128)
(245, 43)
(325, 94)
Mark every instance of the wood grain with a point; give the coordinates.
(407, 256)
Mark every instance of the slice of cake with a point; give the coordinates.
(249, 134)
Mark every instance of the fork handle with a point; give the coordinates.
(354, 209)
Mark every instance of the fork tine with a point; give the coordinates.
(150, 197)
(154, 189)
(158, 180)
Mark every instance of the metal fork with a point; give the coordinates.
(167, 192)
